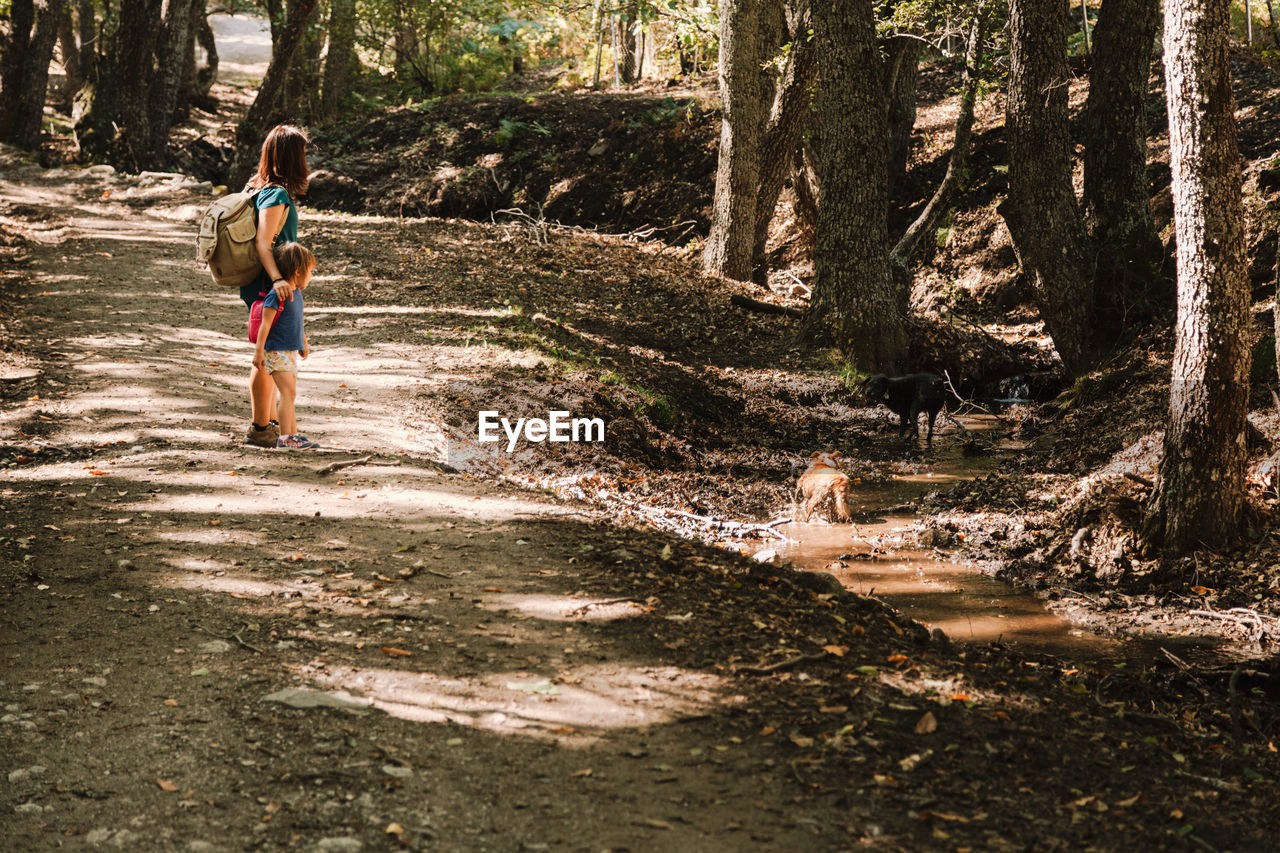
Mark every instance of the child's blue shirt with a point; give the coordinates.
(287, 332)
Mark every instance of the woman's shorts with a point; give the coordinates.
(282, 361)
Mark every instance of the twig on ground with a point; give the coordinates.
(235, 636)
(439, 574)
(338, 466)
(1140, 480)
(590, 604)
(782, 664)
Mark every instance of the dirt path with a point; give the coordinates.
(514, 673)
(168, 579)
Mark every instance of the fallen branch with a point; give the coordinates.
(782, 664)
(764, 307)
(338, 466)
(235, 636)
(1140, 480)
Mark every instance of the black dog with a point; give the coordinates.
(907, 397)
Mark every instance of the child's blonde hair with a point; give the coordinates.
(293, 260)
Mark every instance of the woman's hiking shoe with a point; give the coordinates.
(265, 437)
(297, 441)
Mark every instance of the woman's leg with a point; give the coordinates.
(287, 382)
(262, 394)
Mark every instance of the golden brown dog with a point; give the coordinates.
(823, 486)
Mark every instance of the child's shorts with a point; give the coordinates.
(282, 361)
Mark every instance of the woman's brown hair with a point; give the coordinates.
(293, 260)
(283, 161)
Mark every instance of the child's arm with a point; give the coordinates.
(306, 345)
(260, 355)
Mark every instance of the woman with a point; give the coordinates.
(282, 175)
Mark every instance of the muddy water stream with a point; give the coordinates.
(878, 555)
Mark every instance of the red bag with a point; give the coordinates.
(255, 318)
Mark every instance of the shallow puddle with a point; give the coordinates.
(967, 605)
(877, 556)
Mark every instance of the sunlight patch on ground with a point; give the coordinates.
(562, 608)
(210, 536)
(574, 708)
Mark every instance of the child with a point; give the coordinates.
(283, 335)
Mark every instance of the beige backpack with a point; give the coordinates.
(226, 240)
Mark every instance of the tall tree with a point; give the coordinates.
(1044, 220)
(744, 50)
(171, 66)
(340, 60)
(854, 304)
(901, 73)
(1117, 195)
(787, 120)
(902, 252)
(1199, 495)
(254, 126)
(628, 28)
(25, 75)
(130, 80)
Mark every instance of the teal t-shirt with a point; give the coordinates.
(272, 196)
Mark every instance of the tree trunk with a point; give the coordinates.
(901, 255)
(786, 123)
(901, 72)
(627, 41)
(1199, 498)
(131, 79)
(1117, 196)
(302, 85)
(207, 76)
(69, 52)
(170, 65)
(16, 59)
(28, 107)
(252, 129)
(804, 180)
(1044, 221)
(853, 304)
(743, 52)
(341, 58)
(86, 25)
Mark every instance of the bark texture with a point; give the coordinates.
(1044, 221)
(13, 64)
(787, 120)
(901, 74)
(1199, 497)
(340, 60)
(854, 304)
(26, 109)
(902, 252)
(743, 52)
(171, 66)
(130, 80)
(254, 126)
(1117, 195)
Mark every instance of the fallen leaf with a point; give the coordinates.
(394, 829)
(838, 651)
(926, 724)
(1201, 590)
(833, 709)
(802, 741)
(166, 786)
(396, 653)
(897, 658)
(583, 773)
(657, 824)
(172, 703)
(492, 589)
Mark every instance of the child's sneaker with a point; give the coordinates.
(297, 441)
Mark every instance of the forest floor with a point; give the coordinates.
(493, 651)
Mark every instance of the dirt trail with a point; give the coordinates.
(510, 671)
(164, 579)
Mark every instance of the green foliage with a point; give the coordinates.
(511, 132)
